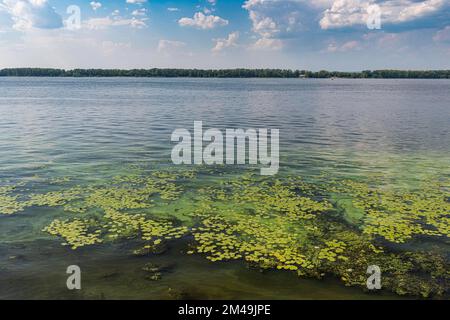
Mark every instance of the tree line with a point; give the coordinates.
(226, 73)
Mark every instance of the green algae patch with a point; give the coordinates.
(75, 233)
(350, 213)
(54, 199)
(400, 215)
(315, 228)
(119, 225)
(10, 204)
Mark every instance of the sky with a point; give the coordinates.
(344, 35)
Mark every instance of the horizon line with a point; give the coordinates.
(224, 73)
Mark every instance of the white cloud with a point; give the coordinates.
(201, 21)
(28, 14)
(170, 46)
(65, 49)
(95, 5)
(346, 46)
(268, 44)
(136, 1)
(265, 26)
(140, 12)
(411, 10)
(106, 22)
(172, 9)
(280, 19)
(345, 13)
(175, 50)
(230, 41)
(275, 20)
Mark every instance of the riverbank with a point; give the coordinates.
(225, 73)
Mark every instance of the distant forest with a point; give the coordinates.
(225, 73)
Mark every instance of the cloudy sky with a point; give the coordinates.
(303, 34)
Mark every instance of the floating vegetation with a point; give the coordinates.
(153, 232)
(55, 199)
(116, 198)
(10, 204)
(398, 215)
(333, 251)
(314, 228)
(74, 232)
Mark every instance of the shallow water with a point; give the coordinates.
(92, 130)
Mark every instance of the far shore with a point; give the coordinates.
(225, 73)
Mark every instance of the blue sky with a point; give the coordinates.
(303, 34)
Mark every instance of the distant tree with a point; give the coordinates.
(224, 73)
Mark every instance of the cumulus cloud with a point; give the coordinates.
(346, 13)
(202, 21)
(95, 5)
(230, 41)
(274, 18)
(284, 19)
(273, 21)
(28, 14)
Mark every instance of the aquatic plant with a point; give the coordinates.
(10, 204)
(314, 228)
(400, 215)
(117, 198)
(55, 198)
(75, 232)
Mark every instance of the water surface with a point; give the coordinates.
(94, 129)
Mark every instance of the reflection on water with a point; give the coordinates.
(94, 129)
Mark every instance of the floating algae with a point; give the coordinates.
(10, 204)
(315, 229)
(313, 244)
(398, 216)
(55, 199)
(74, 232)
